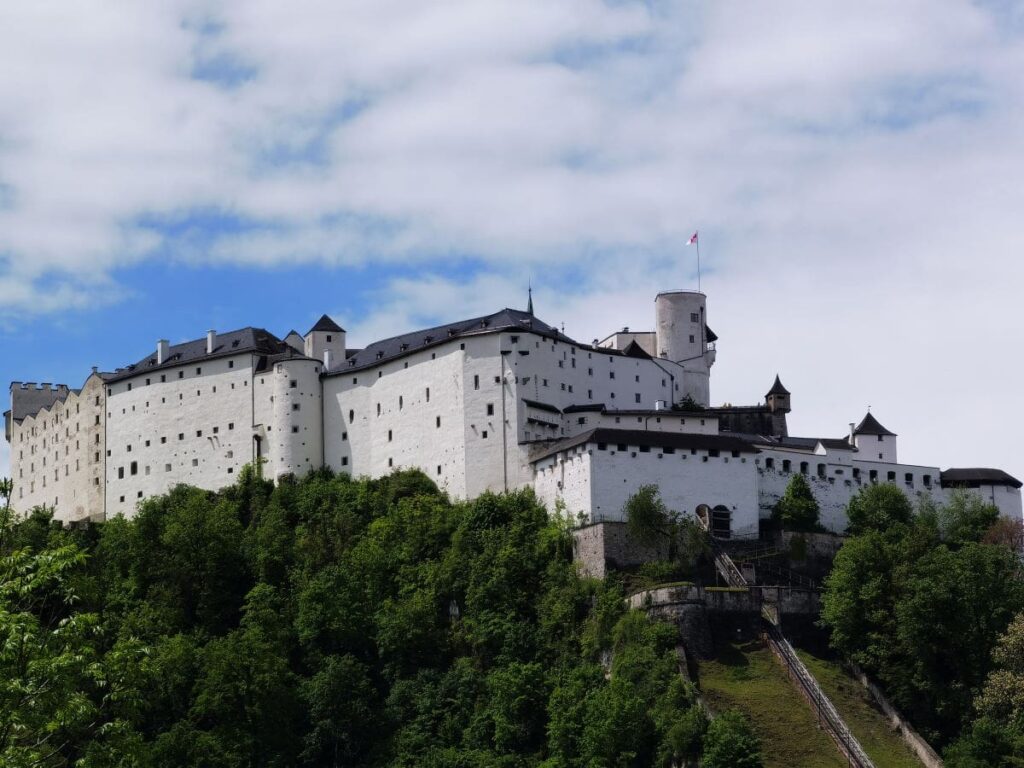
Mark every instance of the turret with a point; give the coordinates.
(777, 398)
(326, 337)
(683, 337)
(873, 441)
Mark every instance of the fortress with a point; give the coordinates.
(488, 404)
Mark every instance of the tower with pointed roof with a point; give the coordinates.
(325, 341)
(873, 441)
(777, 398)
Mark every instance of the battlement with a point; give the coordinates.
(28, 397)
(60, 389)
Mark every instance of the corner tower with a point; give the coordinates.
(683, 337)
(325, 341)
(873, 441)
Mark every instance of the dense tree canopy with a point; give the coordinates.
(920, 602)
(329, 622)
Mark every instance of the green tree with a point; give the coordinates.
(798, 510)
(965, 517)
(730, 742)
(57, 687)
(647, 518)
(877, 507)
(922, 617)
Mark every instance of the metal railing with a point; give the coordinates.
(828, 717)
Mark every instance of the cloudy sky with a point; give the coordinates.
(856, 171)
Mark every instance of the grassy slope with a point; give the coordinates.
(870, 727)
(746, 677)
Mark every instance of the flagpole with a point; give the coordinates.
(698, 264)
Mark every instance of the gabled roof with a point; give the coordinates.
(976, 476)
(397, 346)
(681, 440)
(327, 325)
(777, 388)
(635, 350)
(255, 340)
(869, 426)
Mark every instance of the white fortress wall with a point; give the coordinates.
(567, 478)
(57, 456)
(835, 478)
(185, 424)
(597, 479)
(403, 413)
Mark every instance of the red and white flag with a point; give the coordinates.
(692, 240)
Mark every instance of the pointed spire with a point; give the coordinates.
(777, 388)
(529, 301)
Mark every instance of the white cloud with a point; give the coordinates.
(855, 172)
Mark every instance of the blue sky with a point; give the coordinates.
(853, 169)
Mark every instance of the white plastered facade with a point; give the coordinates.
(473, 409)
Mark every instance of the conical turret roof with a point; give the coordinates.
(869, 426)
(325, 324)
(777, 388)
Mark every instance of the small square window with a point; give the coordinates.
(195, 462)
(293, 384)
(344, 461)
(295, 430)
(231, 425)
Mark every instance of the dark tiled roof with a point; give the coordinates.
(541, 406)
(635, 350)
(255, 340)
(34, 398)
(326, 324)
(836, 443)
(398, 346)
(869, 426)
(777, 388)
(975, 476)
(585, 407)
(681, 440)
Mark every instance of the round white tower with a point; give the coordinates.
(296, 438)
(683, 337)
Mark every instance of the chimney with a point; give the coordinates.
(163, 351)
(95, 369)
(327, 359)
(852, 437)
(211, 341)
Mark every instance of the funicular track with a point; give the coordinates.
(827, 715)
